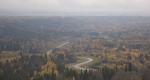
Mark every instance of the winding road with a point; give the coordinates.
(78, 66)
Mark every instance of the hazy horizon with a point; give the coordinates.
(74, 39)
(75, 7)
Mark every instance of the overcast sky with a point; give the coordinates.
(75, 7)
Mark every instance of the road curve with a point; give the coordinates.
(78, 66)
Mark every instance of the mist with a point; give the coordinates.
(75, 7)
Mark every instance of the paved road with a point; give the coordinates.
(79, 65)
(59, 46)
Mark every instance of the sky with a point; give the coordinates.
(76, 7)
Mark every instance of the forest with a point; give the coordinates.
(74, 48)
